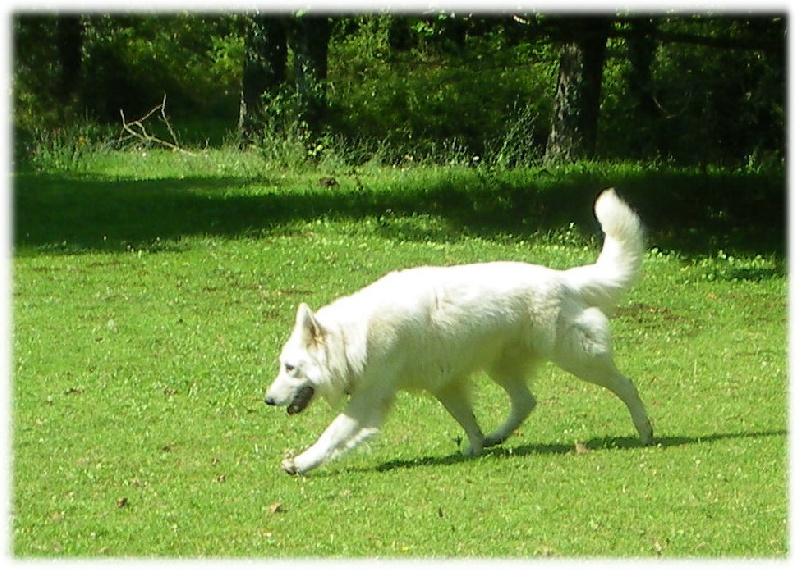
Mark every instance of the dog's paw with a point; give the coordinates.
(492, 440)
(646, 434)
(473, 451)
(289, 467)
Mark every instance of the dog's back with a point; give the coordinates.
(437, 323)
(431, 325)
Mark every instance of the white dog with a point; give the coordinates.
(431, 328)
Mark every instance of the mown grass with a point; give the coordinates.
(151, 295)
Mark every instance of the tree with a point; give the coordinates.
(573, 129)
(714, 93)
(69, 37)
(263, 71)
(641, 51)
(309, 36)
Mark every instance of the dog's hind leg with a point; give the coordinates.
(586, 352)
(522, 402)
(605, 373)
(455, 399)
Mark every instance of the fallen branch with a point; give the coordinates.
(136, 129)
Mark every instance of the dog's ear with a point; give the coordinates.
(308, 324)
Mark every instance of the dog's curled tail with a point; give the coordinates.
(603, 283)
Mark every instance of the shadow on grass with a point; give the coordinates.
(604, 443)
(691, 213)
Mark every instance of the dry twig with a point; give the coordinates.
(136, 129)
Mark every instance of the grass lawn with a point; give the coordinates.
(152, 293)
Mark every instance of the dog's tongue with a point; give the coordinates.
(301, 401)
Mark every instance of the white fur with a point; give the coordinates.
(432, 328)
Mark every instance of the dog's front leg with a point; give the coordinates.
(361, 419)
(341, 430)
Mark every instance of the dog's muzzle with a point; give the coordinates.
(301, 400)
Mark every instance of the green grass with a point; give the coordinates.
(151, 295)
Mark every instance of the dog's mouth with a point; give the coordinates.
(301, 400)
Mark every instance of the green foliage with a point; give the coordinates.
(715, 106)
(132, 63)
(152, 291)
(226, 53)
(728, 107)
(420, 98)
(66, 148)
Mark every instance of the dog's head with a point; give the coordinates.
(303, 366)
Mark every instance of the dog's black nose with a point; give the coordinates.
(269, 401)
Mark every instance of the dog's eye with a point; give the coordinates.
(289, 367)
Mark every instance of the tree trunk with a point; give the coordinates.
(573, 130)
(641, 52)
(69, 39)
(309, 41)
(263, 72)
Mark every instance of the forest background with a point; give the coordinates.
(496, 89)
